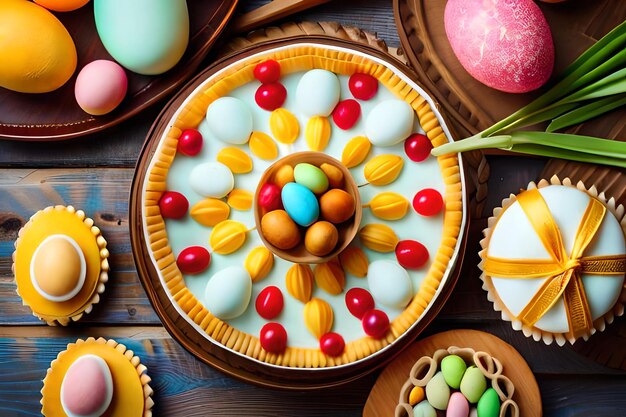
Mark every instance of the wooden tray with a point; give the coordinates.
(384, 395)
(57, 116)
(472, 106)
(236, 365)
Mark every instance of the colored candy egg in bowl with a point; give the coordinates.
(307, 208)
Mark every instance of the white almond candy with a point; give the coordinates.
(389, 123)
(230, 120)
(318, 93)
(389, 284)
(228, 292)
(212, 179)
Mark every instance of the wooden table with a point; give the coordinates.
(94, 173)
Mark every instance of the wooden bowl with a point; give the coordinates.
(347, 230)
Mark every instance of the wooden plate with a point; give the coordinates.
(472, 106)
(384, 395)
(233, 364)
(57, 116)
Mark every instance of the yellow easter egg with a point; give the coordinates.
(240, 199)
(389, 206)
(259, 263)
(227, 236)
(355, 261)
(283, 175)
(378, 237)
(234, 158)
(383, 169)
(355, 151)
(284, 126)
(334, 174)
(210, 212)
(262, 146)
(317, 133)
(62, 5)
(37, 54)
(58, 268)
(330, 277)
(299, 282)
(318, 317)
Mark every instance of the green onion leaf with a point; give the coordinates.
(586, 112)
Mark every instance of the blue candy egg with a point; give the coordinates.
(300, 203)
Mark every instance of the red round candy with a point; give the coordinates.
(273, 338)
(190, 142)
(269, 302)
(267, 71)
(411, 254)
(332, 344)
(363, 86)
(193, 260)
(346, 113)
(359, 301)
(375, 323)
(173, 205)
(428, 202)
(269, 197)
(270, 96)
(417, 147)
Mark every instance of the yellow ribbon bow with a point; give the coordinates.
(563, 272)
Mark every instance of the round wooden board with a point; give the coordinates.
(57, 116)
(237, 365)
(472, 106)
(384, 395)
(608, 347)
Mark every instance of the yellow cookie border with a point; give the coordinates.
(94, 281)
(291, 60)
(126, 369)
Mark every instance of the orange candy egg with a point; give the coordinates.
(321, 238)
(62, 5)
(279, 230)
(336, 206)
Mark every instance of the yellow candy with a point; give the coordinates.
(299, 281)
(259, 263)
(383, 169)
(355, 261)
(237, 160)
(227, 236)
(240, 199)
(284, 126)
(334, 174)
(389, 206)
(416, 395)
(210, 212)
(263, 146)
(318, 317)
(379, 237)
(330, 277)
(317, 133)
(283, 175)
(355, 151)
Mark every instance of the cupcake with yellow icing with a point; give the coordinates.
(60, 264)
(92, 378)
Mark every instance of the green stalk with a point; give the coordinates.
(586, 112)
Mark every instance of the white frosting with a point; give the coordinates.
(389, 123)
(81, 277)
(513, 237)
(389, 284)
(414, 176)
(229, 120)
(211, 179)
(227, 293)
(318, 93)
(108, 380)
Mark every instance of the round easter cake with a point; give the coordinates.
(292, 211)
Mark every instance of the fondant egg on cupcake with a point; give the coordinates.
(146, 36)
(94, 378)
(100, 87)
(554, 259)
(37, 53)
(60, 264)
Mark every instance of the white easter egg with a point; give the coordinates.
(230, 120)
(318, 93)
(228, 292)
(389, 284)
(389, 123)
(212, 179)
